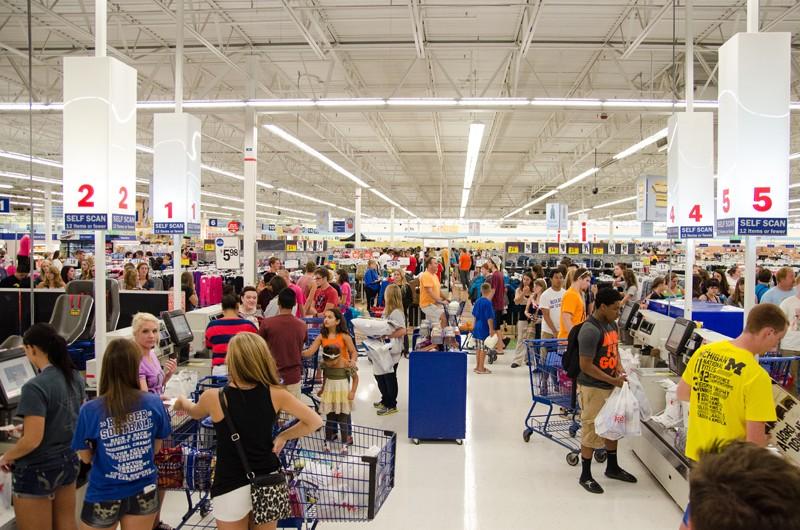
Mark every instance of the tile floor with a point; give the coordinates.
(495, 480)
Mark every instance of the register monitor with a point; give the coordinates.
(15, 371)
(679, 335)
(626, 316)
(178, 327)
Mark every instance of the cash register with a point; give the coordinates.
(677, 344)
(626, 318)
(179, 332)
(15, 371)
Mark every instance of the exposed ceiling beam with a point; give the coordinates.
(646, 31)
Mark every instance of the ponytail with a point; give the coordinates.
(45, 337)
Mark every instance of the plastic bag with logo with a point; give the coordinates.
(645, 410)
(619, 417)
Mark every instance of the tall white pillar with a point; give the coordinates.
(177, 239)
(100, 235)
(688, 294)
(750, 242)
(250, 178)
(391, 225)
(688, 275)
(357, 220)
(48, 218)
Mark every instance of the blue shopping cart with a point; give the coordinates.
(554, 411)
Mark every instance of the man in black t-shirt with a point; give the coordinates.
(601, 371)
(20, 279)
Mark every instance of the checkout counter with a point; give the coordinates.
(724, 319)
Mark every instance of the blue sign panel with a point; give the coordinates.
(213, 223)
(5, 205)
(85, 221)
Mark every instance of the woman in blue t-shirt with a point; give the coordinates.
(44, 465)
(119, 434)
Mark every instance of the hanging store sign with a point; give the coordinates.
(99, 131)
(753, 165)
(690, 176)
(176, 174)
(227, 253)
(5, 205)
(651, 198)
(338, 227)
(557, 216)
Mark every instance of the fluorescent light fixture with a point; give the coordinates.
(6, 186)
(142, 181)
(792, 201)
(473, 153)
(20, 176)
(641, 145)
(390, 201)
(534, 201)
(578, 212)
(553, 102)
(281, 103)
(144, 149)
(574, 180)
(277, 131)
(218, 171)
(352, 102)
(626, 214)
(307, 197)
(795, 185)
(423, 102)
(493, 102)
(232, 208)
(795, 156)
(24, 158)
(464, 198)
(210, 204)
(614, 203)
(794, 209)
(349, 210)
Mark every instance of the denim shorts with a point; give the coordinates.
(104, 514)
(42, 480)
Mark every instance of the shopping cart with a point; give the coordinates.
(552, 391)
(328, 481)
(780, 369)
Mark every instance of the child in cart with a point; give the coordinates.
(483, 311)
(338, 391)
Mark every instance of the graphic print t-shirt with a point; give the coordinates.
(123, 463)
(729, 388)
(599, 341)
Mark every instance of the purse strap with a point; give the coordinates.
(235, 438)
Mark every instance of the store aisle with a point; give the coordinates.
(495, 480)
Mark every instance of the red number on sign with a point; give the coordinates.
(694, 213)
(86, 201)
(762, 201)
(168, 206)
(726, 201)
(194, 214)
(672, 214)
(122, 202)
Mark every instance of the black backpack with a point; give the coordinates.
(571, 360)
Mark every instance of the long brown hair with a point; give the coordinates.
(119, 380)
(394, 299)
(250, 361)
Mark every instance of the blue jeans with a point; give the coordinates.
(42, 480)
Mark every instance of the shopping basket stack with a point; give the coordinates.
(554, 411)
(780, 370)
(328, 481)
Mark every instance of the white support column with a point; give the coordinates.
(750, 242)
(100, 235)
(688, 275)
(177, 239)
(48, 218)
(391, 225)
(250, 178)
(357, 220)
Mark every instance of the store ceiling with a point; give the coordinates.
(402, 49)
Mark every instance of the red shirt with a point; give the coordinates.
(323, 297)
(285, 336)
(412, 265)
(439, 271)
(499, 298)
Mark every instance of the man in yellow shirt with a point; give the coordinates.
(430, 292)
(729, 394)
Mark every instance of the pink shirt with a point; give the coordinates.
(347, 295)
(301, 299)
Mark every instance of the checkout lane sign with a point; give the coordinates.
(5, 205)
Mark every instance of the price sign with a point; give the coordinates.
(291, 247)
(690, 176)
(753, 165)
(176, 174)
(227, 253)
(99, 132)
(599, 249)
(573, 249)
(512, 249)
(552, 248)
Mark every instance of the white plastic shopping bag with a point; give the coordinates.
(182, 384)
(672, 416)
(619, 417)
(381, 356)
(645, 410)
(373, 327)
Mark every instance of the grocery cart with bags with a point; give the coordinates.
(779, 369)
(554, 411)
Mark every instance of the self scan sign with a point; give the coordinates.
(753, 165)
(176, 174)
(227, 253)
(99, 131)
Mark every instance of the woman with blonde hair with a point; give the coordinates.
(387, 383)
(87, 268)
(152, 378)
(51, 279)
(250, 403)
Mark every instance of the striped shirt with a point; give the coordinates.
(219, 332)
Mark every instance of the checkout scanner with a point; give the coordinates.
(678, 343)
(652, 330)
(626, 318)
(180, 333)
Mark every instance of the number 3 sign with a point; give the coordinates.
(99, 131)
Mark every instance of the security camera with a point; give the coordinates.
(279, 212)
(595, 190)
(603, 115)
